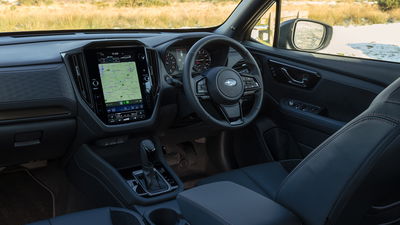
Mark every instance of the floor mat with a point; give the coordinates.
(22, 199)
(190, 161)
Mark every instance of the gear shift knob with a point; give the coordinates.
(147, 150)
(147, 145)
(152, 181)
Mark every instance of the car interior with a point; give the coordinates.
(217, 129)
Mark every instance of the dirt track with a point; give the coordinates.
(379, 41)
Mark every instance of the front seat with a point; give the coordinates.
(351, 178)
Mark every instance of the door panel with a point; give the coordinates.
(345, 87)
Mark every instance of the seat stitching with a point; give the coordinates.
(393, 102)
(368, 164)
(383, 116)
(393, 93)
(319, 148)
(332, 138)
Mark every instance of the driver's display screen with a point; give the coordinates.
(120, 82)
(180, 55)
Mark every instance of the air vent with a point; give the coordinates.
(153, 67)
(81, 78)
(241, 67)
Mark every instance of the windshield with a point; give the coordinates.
(34, 15)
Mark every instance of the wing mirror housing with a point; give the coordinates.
(304, 35)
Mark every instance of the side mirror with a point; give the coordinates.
(304, 35)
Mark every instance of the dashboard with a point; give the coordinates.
(113, 83)
(78, 87)
(120, 80)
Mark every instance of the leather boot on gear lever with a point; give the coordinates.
(152, 179)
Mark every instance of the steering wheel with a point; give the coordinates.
(225, 88)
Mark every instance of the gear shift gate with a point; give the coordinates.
(150, 180)
(159, 185)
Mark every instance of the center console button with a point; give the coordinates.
(145, 77)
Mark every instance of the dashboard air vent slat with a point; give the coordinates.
(153, 68)
(81, 78)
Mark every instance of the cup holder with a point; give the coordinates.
(125, 217)
(165, 216)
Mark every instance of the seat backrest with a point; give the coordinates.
(354, 176)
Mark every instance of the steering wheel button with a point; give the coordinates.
(202, 87)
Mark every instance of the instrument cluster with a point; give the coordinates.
(175, 56)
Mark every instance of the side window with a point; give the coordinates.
(363, 29)
(264, 31)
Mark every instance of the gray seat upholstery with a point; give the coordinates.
(264, 179)
(223, 203)
(102, 216)
(351, 178)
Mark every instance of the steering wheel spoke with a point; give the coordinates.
(251, 83)
(201, 87)
(233, 113)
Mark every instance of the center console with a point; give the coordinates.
(125, 175)
(225, 202)
(151, 178)
(117, 87)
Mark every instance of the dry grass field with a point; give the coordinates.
(76, 14)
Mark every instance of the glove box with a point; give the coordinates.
(24, 142)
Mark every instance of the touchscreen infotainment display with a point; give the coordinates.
(120, 83)
(119, 78)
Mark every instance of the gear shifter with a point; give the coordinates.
(152, 180)
(147, 152)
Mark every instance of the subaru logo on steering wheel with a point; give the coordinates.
(230, 82)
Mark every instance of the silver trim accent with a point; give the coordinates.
(135, 183)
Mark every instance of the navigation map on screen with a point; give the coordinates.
(120, 82)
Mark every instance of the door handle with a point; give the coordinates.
(293, 75)
(292, 80)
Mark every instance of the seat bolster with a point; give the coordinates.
(268, 176)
